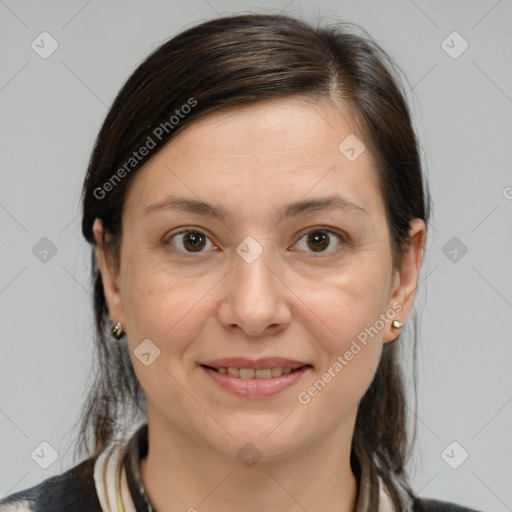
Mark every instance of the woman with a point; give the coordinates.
(257, 214)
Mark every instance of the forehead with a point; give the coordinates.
(291, 128)
(273, 151)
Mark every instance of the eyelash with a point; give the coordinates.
(322, 229)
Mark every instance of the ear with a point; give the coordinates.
(406, 278)
(109, 275)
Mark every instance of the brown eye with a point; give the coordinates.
(318, 240)
(189, 241)
(321, 239)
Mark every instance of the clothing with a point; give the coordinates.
(111, 482)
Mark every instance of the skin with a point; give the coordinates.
(204, 305)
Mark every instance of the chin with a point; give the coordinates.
(265, 435)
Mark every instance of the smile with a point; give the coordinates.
(255, 383)
(251, 373)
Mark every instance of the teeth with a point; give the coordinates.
(233, 372)
(263, 374)
(276, 372)
(250, 373)
(246, 373)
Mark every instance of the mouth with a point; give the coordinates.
(253, 373)
(248, 382)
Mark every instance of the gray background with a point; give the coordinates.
(51, 110)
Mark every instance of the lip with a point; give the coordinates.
(257, 364)
(256, 388)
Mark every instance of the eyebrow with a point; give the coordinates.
(334, 202)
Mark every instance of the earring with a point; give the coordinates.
(397, 324)
(117, 330)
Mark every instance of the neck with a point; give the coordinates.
(179, 473)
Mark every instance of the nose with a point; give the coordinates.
(255, 298)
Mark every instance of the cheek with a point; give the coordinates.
(167, 307)
(349, 339)
(171, 313)
(335, 392)
(349, 331)
(350, 303)
(163, 308)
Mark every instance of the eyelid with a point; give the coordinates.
(328, 229)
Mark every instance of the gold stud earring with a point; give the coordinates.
(397, 324)
(117, 330)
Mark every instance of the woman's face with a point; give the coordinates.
(311, 285)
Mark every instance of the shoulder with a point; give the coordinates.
(73, 490)
(429, 505)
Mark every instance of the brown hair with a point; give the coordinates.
(224, 63)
